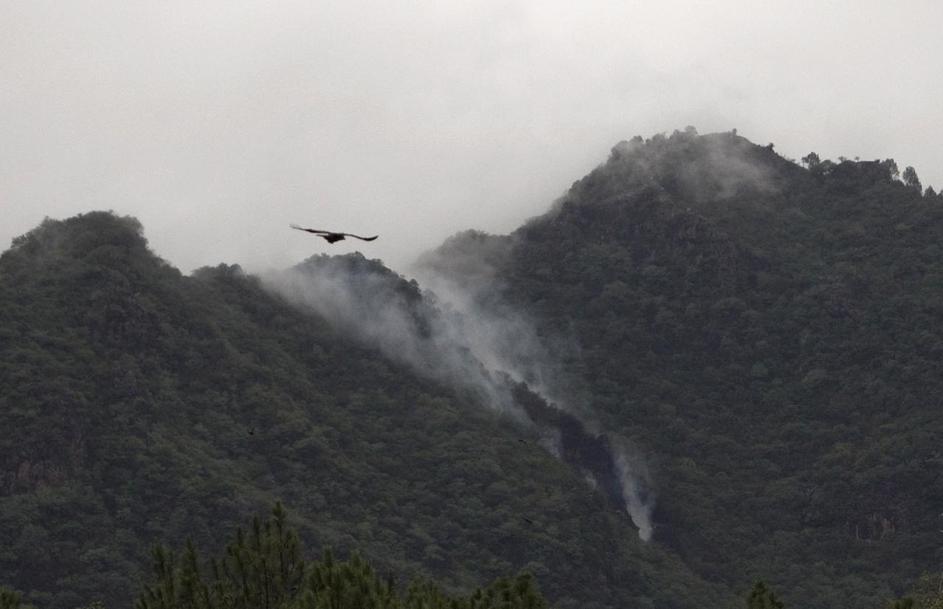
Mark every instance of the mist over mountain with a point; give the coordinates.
(704, 365)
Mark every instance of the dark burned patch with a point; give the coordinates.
(579, 448)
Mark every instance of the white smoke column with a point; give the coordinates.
(502, 340)
(457, 341)
(510, 342)
(462, 276)
(634, 476)
(452, 348)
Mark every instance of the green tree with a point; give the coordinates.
(264, 569)
(260, 570)
(519, 592)
(9, 599)
(351, 584)
(762, 597)
(927, 593)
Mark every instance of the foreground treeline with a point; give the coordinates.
(265, 568)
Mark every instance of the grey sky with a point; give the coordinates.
(217, 123)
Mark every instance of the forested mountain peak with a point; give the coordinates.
(738, 350)
(766, 330)
(691, 169)
(687, 166)
(99, 235)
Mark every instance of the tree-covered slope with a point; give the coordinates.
(140, 405)
(267, 567)
(771, 334)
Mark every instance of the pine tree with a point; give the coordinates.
(261, 570)
(264, 569)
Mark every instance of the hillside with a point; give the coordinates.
(144, 406)
(705, 365)
(770, 334)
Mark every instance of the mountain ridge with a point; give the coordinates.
(762, 335)
(195, 400)
(770, 334)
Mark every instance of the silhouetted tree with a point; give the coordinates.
(911, 180)
(891, 166)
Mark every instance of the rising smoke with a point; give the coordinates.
(365, 300)
(464, 335)
(636, 484)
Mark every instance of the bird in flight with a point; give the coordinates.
(330, 236)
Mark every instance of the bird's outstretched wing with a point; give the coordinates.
(309, 230)
(361, 238)
(331, 236)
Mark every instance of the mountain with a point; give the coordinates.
(704, 366)
(145, 406)
(769, 334)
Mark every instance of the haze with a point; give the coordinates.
(219, 123)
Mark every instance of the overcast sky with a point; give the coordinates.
(217, 123)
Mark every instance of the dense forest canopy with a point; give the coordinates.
(771, 334)
(149, 407)
(744, 346)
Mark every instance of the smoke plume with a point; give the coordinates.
(466, 336)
